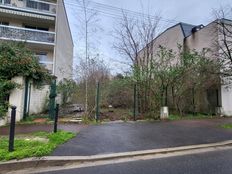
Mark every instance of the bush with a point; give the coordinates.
(66, 88)
(120, 93)
(3, 111)
(152, 115)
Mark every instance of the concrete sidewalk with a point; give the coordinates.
(30, 128)
(126, 137)
(56, 163)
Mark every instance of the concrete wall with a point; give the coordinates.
(3, 121)
(226, 96)
(38, 99)
(170, 38)
(17, 98)
(205, 38)
(64, 45)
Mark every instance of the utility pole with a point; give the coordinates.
(86, 56)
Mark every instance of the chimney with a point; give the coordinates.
(197, 28)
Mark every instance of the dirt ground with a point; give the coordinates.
(117, 114)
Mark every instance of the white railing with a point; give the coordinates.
(24, 34)
(31, 5)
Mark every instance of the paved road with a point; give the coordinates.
(124, 137)
(204, 163)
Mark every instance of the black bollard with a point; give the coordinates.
(12, 129)
(56, 118)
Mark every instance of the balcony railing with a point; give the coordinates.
(28, 35)
(31, 5)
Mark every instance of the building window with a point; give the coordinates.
(44, 61)
(42, 57)
(37, 5)
(31, 4)
(4, 23)
(36, 27)
(5, 1)
(43, 6)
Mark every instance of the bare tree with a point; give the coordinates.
(132, 36)
(224, 41)
(89, 22)
(97, 71)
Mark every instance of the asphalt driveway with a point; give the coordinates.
(123, 137)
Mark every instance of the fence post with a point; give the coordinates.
(135, 100)
(25, 106)
(193, 100)
(97, 101)
(12, 129)
(56, 118)
(52, 98)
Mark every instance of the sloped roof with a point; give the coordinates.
(186, 28)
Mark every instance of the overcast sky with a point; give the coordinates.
(188, 11)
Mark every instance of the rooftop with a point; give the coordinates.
(186, 28)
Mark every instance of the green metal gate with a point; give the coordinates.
(52, 99)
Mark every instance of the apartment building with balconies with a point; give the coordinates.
(43, 26)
